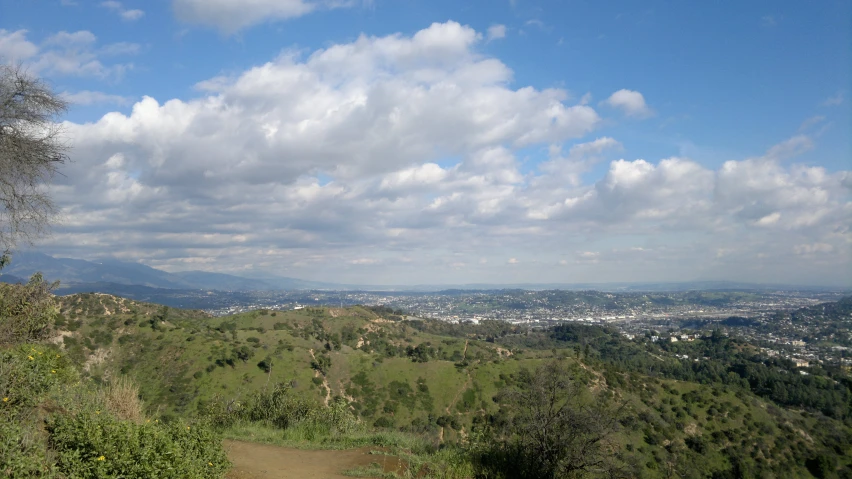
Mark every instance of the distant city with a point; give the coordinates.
(784, 321)
(788, 324)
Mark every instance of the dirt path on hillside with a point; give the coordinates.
(461, 390)
(264, 461)
(324, 379)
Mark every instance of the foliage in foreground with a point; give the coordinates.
(26, 311)
(52, 424)
(89, 444)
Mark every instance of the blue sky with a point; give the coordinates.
(740, 112)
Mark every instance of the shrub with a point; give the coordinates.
(282, 408)
(92, 445)
(278, 407)
(29, 371)
(20, 454)
(265, 364)
(26, 311)
(383, 422)
(26, 374)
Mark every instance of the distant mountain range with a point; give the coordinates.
(113, 275)
(78, 273)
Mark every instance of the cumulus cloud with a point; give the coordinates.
(632, 103)
(14, 46)
(496, 32)
(409, 150)
(65, 53)
(126, 14)
(230, 16)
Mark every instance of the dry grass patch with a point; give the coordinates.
(121, 398)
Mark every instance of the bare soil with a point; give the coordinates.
(264, 461)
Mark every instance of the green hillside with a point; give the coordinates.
(444, 382)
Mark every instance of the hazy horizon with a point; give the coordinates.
(263, 276)
(401, 143)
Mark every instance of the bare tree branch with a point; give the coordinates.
(31, 151)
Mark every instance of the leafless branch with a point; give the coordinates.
(31, 151)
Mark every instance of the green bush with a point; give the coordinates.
(91, 444)
(282, 408)
(21, 455)
(29, 371)
(26, 311)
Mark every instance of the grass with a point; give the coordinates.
(373, 470)
(306, 436)
(121, 398)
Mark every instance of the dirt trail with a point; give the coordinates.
(324, 380)
(264, 461)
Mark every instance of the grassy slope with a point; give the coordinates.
(185, 358)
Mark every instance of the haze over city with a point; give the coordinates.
(411, 142)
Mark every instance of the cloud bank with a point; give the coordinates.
(403, 159)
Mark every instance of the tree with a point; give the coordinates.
(31, 150)
(553, 428)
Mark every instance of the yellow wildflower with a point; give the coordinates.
(187, 428)
(5, 399)
(30, 358)
(97, 412)
(102, 458)
(209, 463)
(53, 371)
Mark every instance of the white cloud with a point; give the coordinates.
(769, 219)
(632, 103)
(834, 100)
(65, 53)
(14, 46)
(230, 16)
(809, 249)
(811, 122)
(364, 261)
(409, 150)
(496, 32)
(80, 38)
(87, 97)
(132, 15)
(126, 14)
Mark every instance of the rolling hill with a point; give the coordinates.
(438, 379)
